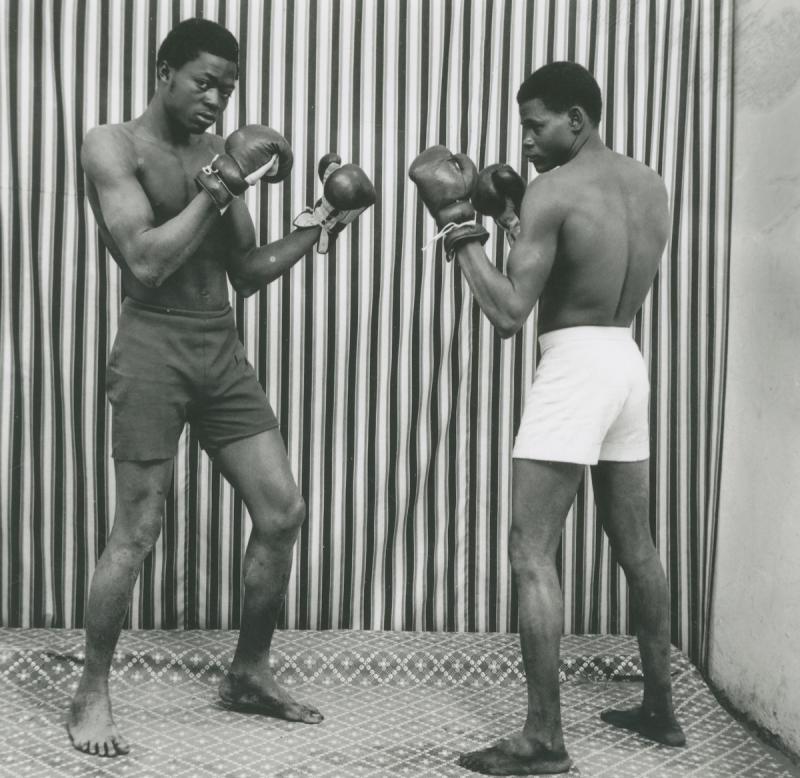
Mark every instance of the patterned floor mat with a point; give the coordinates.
(396, 704)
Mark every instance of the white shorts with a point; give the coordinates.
(589, 400)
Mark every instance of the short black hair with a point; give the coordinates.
(186, 40)
(560, 85)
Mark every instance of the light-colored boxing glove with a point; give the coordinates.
(346, 193)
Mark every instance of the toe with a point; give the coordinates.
(120, 744)
(111, 746)
(311, 716)
(467, 760)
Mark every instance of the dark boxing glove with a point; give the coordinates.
(251, 153)
(346, 193)
(446, 182)
(498, 193)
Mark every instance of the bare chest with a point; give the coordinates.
(167, 175)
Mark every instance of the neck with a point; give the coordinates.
(590, 141)
(156, 122)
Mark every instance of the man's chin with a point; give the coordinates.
(198, 125)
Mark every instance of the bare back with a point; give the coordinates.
(128, 168)
(610, 242)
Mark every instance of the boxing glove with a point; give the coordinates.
(498, 193)
(446, 182)
(346, 193)
(251, 153)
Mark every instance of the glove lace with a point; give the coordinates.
(448, 228)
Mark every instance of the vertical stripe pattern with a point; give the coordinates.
(397, 401)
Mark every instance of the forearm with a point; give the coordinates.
(253, 269)
(494, 292)
(159, 251)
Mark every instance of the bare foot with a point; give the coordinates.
(91, 728)
(516, 756)
(663, 728)
(251, 692)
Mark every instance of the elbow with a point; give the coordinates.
(506, 332)
(508, 327)
(149, 278)
(242, 286)
(145, 272)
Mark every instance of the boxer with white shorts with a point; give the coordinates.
(589, 400)
(586, 239)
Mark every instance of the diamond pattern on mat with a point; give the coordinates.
(396, 704)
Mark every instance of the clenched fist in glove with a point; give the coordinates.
(446, 182)
(251, 153)
(498, 194)
(346, 193)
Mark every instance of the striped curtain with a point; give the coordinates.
(397, 402)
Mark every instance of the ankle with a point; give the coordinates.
(544, 736)
(93, 685)
(245, 666)
(657, 699)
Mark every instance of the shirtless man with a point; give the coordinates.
(591, 232)
(163, 193)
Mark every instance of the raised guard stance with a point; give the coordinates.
(591, 231)
(165, 195)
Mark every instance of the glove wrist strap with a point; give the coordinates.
(208, 179)
(455, 234)
(330, 219)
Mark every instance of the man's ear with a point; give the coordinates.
(577, 118)
(163, 71)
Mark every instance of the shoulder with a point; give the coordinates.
(107, 147)
(641, 174)
(554, 189)
(550, 183)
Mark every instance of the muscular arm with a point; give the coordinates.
(153, 253)
(251, 267)
(507, 300)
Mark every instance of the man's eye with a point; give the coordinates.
(202, 84)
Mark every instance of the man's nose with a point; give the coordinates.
(212, 98)
(527, 139)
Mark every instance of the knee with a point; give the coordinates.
(640, 562)
(281, 524)
(136, 535)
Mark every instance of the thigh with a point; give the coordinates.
(236, 407)
(141, 490)
(148, 389)
(542, 495)
(258, 469)
(622, 495)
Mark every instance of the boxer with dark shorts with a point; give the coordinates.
(166, 197)
(586, 239)
(181, 366)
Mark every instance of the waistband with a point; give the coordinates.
(178, 318)
(585, 335)
(133, 303)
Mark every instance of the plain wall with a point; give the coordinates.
(755, 639)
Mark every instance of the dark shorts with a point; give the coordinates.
(170, 367)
